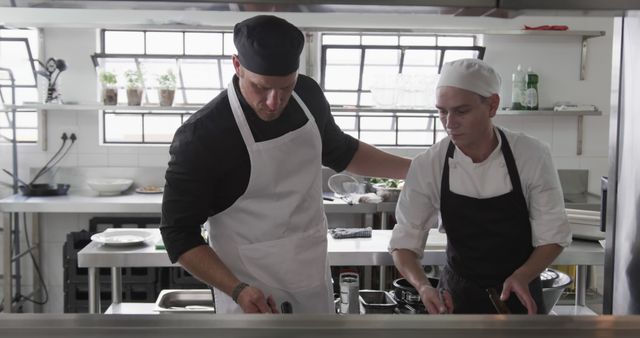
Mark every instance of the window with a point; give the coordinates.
(201, 61)
(18, 48)
(382, 85)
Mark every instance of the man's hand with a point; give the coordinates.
(520, 286)
(436, 301)
(252, 300)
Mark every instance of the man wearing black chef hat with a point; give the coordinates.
(249, 163)
(498, 197)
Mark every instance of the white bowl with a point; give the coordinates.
(109, 186)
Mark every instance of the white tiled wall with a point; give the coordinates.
(555, 60)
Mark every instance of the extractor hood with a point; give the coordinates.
(494, 8)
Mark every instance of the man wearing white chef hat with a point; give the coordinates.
(498, 196)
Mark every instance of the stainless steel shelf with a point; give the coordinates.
(96, 106)
(548, 112)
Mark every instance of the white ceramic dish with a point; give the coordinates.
(123, 237)
(109, 186)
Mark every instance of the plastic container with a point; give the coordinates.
(518, 89)
(531, 96)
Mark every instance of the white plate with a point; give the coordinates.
(122, 237)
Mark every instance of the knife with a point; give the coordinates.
(500, 306)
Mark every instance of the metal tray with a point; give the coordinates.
(181, 301)
(374, 301)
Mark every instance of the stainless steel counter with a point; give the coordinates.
(352, 251)
(86, 201)
(335, 326)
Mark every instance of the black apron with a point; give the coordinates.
(487, 240)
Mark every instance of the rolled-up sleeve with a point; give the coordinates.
(416, 211)
(547, 213)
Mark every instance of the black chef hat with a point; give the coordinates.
(268, 45)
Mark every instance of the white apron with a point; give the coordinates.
(274, 237)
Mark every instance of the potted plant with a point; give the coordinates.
(167, 88)
(109, 89)
(135, 86)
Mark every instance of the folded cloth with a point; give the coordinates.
(339, 233)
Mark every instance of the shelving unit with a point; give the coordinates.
(548, 112)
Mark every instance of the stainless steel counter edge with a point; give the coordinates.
(201, 325)
(87, 202)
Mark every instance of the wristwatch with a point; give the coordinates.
(236, 291)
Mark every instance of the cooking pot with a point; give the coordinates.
(405, 294)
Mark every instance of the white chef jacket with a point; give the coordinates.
(418, 207)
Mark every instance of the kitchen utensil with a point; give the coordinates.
(406, 294)
(122, 237)
(44, 189)
(286, 307)
(498, 304)
(343, 186)
(349, 293)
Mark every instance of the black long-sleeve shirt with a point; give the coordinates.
(210, 168)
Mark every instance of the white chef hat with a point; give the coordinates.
(470, 74)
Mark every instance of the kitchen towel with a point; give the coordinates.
(339, 233)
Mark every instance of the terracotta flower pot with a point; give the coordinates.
(110, 96)
(134, 96)
(166, 97)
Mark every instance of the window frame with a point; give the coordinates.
(183, 110)
(359, 111)
(6, 83)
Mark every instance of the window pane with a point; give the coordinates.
(421, 57)
(200, 73)
(346, 122)
(328, 39)
(342, 98)
(378, 137)
(164, 43)
(227, 72)
(383, 40)
(452, 55)
(343, 56)
(123, 42)
(415, 123)
(195, 96)
(379, 76)
(30, 34)
(14, 55)
(123, 128)
(160, 128)
(455, 41)
(414, 138)
(203, 43)
(27, 119)
(366, 99)
(22, 95)
(24, 135)
(377, 123)
(229, 46)
(418, 40)
(342, 77)
(382, 57)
